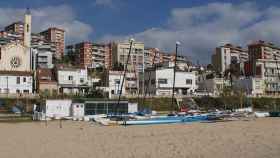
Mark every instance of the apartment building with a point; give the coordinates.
(42, 56)
(17, 27)
(56, 36)
(227, 56)
(15, 30)
(99, 54)
(91, 55)
(151, 56)
(264, 63)
(136, 61)
(108, 56)
(82, 53)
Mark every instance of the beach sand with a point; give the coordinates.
(237, 139)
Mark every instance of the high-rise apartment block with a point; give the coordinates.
(91, 55)
(264, 62)
(56, 36)
(82, 53)
(228, 55)
(16, 27)
(136, 61)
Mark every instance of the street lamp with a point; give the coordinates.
(174, 72)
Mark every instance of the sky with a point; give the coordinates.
(200, 25)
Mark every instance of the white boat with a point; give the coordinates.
(261, 114)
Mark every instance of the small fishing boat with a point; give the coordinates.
(166, 120)
(261, 114)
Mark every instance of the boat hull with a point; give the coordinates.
(167, 120)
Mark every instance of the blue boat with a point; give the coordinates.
(167, 120)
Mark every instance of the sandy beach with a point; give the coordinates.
(239, 139)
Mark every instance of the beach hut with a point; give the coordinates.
(58, 108)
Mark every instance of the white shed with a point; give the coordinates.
(58, 108)
(132, 107)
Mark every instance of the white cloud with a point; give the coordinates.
(201, 29)
(61, 16)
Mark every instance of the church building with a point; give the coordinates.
(16, 75)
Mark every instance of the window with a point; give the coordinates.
(25, 91)
(188, 81)
(81, 80)
(17, 91)
(18, 80)
(70, 78)
(162, 81)
(24, 79)
(117, 81)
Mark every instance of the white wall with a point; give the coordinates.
(180, 79)
(63, 77)
(58, 108)
(11, 82)
(252, 86)
(132, 107)
(44, 59)
(78, 110)
(114, 79)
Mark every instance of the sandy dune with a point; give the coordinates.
(242, 139)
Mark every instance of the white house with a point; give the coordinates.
(16, 82)
(251, 86)
(42, 56)
(161, 82)
(213, 86)
(115, 80)
(73, 80)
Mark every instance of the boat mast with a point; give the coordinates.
(149, 78)
(174, 74)
(124, 74)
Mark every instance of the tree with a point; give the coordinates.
(210, 67)
(96, 93)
